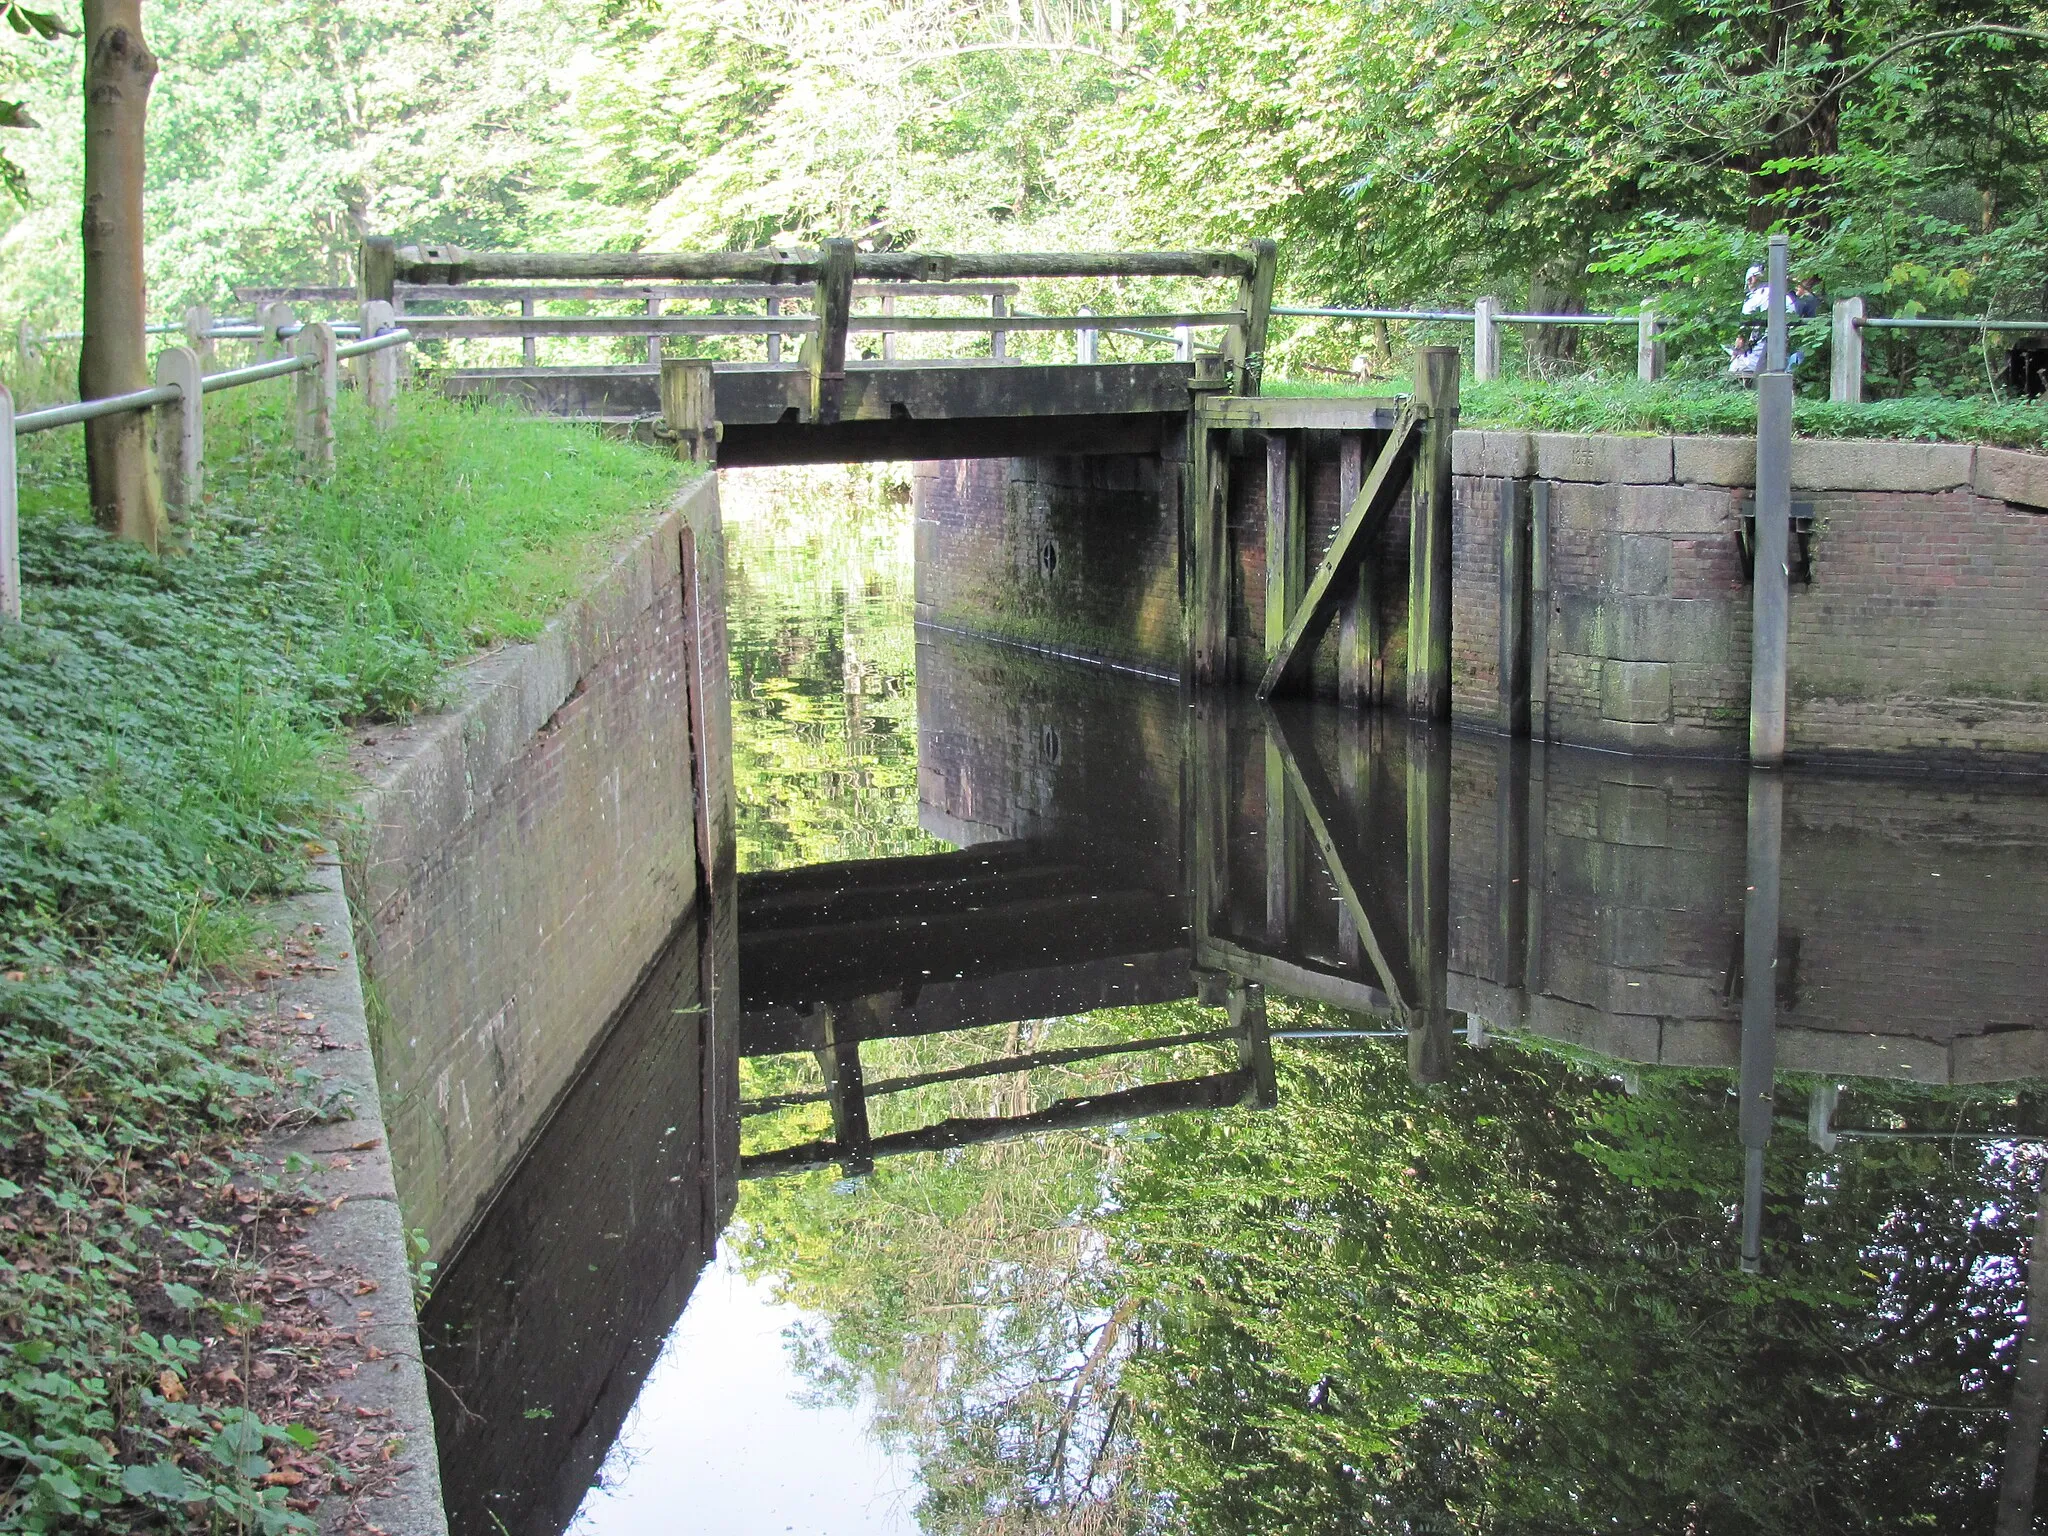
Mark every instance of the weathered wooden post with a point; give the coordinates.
(832, 303)
(25, 343)
(377, 268)
(654, 341)
(199, 335)
(1255, 298)
(998, 340)
(1085, 341)
(1539, 610)
(1649, 346)
(1845, 365)
(1207, 491)
(1485, 340)
(10, 515)
(1770, 585)
(1286, 537)
(1429, 539)
(1513, 719)
(888, 337)
(774, 308)
(1358, 628)
(1245, 1006)
(181, 431)
(316, 390)
(270, 319)
(689, 407)
(377, 372)
(1759, 1001)
(529, 344)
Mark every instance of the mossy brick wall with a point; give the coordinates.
(524, 858)
(1073, 554)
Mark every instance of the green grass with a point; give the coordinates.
(1715, 410)
(170, 737)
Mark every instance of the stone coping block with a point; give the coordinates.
(1714, 460)
(1603, 459)
(1495, 455)
(2009, 475)
(1869, 464)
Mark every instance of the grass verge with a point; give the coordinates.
(1716, 410)
(169, 747)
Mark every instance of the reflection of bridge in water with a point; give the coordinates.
(1121, 846)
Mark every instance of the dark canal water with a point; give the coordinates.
(1157, 1117)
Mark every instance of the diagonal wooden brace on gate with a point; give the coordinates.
(1289, 671)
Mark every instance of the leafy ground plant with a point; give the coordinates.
(169, 750)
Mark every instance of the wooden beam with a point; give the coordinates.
(651, 324)
(376, 271)
(453, 264)
(1355, 630)
(833, 306)
(689, 407)
(1296, 413)
(1377, 928)
(1245, 1002)
(1286, 535)
(1208, 513)
(1293, 657)
(1429, 904)
(1429, 537)
(1255, 298)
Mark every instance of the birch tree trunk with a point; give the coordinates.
(119, 68)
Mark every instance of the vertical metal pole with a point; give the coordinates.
(1770, 615)
(1845, 364)
(529, 345)
(1759, 1001)
(654, 342)
(998, 340)
(1485, 341)
(1774, 315)
(10, 515)
(774, 337)
(1085, 341)
(1183, 343)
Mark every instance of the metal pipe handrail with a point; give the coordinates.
(1930, 323)
(382, 341)
(1333, 312)
(92, 410)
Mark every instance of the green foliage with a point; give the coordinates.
(169, 742)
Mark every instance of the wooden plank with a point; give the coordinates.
(1291, 978)
(1355, 649)
(1429, 539)
(1289, 667)
(453, 264)
(376, 272)
(1377, 929)
(832, 305)
(1295, 413)
(1255, 298)
(1286, 535)
(497, 326)
(1208, 501)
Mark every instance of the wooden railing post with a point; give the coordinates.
(1286, 537)
(1358, 628)
(377, 372)
(181, 432)
(1085, 342)
(316, 389)
(1649, 346)
(888, 337)
(1485, 341)
(1255, 298)
(199, 334)
(377, 268)
(270, 319)
(654, 342)
(998, 340)
(1429, 537)
(1845, 370)
(529, 346)
(10, 516)
(833, 306)
(774, 337)
(689, 407)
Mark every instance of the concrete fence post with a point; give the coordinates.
(199, 335)
(269, 320)
(181, 431)
(1845, 372)
(315, 436)
(1085, 342)
(1649, 348)
(998, 340)
(377, 372)
(1485, 340)
(10, 516)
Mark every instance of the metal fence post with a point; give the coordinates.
(1085, 341)
(1184, 343)
(181, 432)
(1649, 349)
(199, 335)
(1770, 588)
(1845, 373)
(1485, 340)
(998, 340)
(377, 372)
(315, 433)
(654, 342)
(10, 516)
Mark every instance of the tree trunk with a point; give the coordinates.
(119, 67)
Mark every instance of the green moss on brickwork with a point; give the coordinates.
(169, 747)
(1717, 410)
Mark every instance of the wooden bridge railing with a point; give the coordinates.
(835, 274)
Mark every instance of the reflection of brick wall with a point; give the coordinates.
(1068, 553)
(526, 855)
